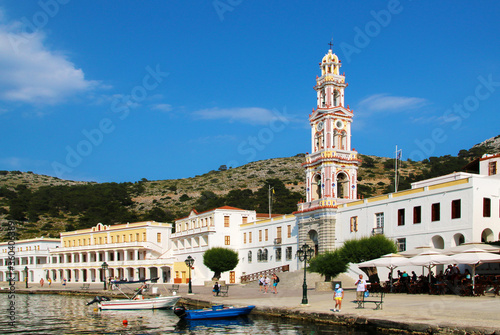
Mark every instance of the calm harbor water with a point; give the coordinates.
(57, 314)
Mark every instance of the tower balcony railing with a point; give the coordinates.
(332, 154)
(319, 203)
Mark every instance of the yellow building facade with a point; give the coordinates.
(129, 251)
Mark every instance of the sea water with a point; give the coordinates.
(66, 314)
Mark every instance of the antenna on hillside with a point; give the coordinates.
(399, 153)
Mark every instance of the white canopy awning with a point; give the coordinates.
(467, 246)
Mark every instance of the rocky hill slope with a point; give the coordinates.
(147, 199)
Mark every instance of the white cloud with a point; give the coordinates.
(250, 115)
(20, 163)
(387, 103)
(32, 73)
(162, 107)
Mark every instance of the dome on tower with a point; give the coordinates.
(330, 57)
(330, 64)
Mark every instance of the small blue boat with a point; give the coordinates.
(215, 312)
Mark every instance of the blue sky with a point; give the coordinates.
(120, 91)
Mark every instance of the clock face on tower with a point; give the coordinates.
(339, 124)
(320, 126)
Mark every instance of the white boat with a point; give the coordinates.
(161, 302)
(137, 301)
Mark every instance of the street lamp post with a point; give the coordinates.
(305, 253)
(104, 267)
(26, 276)
(189, 262)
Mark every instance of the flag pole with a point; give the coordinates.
(396, 171)
(269, 200)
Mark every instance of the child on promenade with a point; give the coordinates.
(338, 296)
(360, 290)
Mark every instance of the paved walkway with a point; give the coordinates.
(402, 311)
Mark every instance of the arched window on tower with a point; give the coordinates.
(335, 138)
(316, 187)
(323, 98)
(336, 95)
(342, 186)
(343, 141)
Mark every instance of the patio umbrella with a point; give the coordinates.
(466, 246)
(475, 257)
(390, 261)
(429, 259)
(418, 250)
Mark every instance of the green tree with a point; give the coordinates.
(284, 201)
(367, 161)
(208, 200)
(365, 249)
(220, 260)
(240, 199)
(184, 197)
(158, 214)
(328, 264)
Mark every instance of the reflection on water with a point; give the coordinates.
(57, 314)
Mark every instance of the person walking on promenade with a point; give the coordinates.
(50, 281)
(360, 290)
(261, 283)
(41, 282)
(338, 296)
(267, 283)
(276, 280)
(216, 289)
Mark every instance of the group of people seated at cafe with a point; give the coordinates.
(411, 283)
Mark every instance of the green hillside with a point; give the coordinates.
(45, 206)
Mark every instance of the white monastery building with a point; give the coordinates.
(29, 255)
(440, 212)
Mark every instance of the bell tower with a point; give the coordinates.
(331, 167)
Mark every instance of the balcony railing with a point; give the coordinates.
(378, 231)
(277, 241)
(269, 272)
(193, 231)
(108, 246)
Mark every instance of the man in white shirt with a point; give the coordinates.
(267, 283)
(360, 289)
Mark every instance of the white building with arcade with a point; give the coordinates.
(30, 257)
(128, 251)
